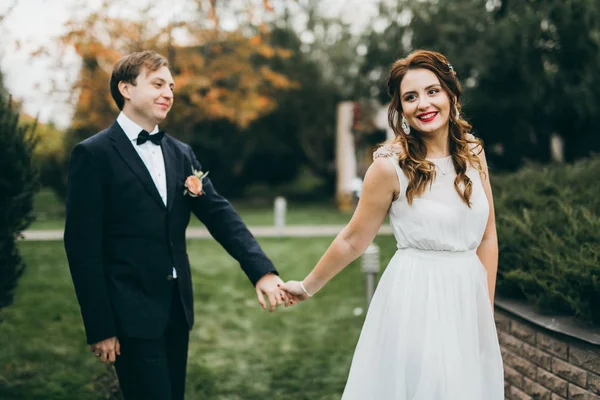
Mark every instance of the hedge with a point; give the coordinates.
(548, 221)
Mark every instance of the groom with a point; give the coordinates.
(125, 235)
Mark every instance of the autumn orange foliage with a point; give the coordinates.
(218, 74)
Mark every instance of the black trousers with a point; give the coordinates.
(155, 369)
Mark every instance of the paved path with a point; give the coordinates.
(258, 231)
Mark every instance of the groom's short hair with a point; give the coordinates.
(128, 67)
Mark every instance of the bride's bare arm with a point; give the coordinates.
(488, 248)
(380, 187)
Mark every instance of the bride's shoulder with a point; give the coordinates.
(387, 150)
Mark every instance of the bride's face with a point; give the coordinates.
(425, 104)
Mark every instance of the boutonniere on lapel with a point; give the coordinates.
(193, 183)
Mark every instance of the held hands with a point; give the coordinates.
(296, 289)
(107, 350)
(269, 285)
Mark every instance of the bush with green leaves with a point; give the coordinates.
(18, 184)
(549, 237)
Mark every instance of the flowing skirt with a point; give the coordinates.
(429, 333)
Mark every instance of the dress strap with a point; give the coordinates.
(401, 177)
(395, 163)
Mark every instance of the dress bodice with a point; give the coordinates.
(438, 219)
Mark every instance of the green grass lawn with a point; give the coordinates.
(49, 213)
(237, 350)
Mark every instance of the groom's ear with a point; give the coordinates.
(124, 88)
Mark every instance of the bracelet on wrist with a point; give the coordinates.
(304, 289)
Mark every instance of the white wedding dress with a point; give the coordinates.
(429, 333)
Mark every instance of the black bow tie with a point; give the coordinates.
(144, 136)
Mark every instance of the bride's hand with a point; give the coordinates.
(295, 288)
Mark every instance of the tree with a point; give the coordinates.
(3, 91)
(299, 133)
(217, 73)
(49, 152)
(18, 184)
(528, 68)
(221, 77)
(541, 69)
(306, 115)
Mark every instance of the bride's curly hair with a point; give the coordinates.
(421, 172)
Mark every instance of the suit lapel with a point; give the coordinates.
(170, 170)
(133, 160)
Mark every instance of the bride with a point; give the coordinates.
(429, 333)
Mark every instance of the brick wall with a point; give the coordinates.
(540, 364)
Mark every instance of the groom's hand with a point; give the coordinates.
(268, 286)
(107, 349)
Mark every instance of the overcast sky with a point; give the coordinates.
(35, 23)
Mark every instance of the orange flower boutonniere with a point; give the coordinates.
(193, 183)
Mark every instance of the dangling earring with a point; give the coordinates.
(456, 113)
(405, 126)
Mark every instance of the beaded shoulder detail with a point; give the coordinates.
(387, 150)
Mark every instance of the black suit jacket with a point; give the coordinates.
(122, 242)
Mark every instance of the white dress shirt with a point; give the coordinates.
(150, 154)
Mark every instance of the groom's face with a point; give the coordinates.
(151, 98)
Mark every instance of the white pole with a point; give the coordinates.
(557, 148)
(370, 265)
(280, 211)
(345, 157)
